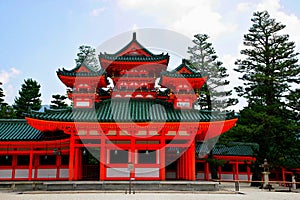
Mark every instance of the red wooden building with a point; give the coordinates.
(131, 119)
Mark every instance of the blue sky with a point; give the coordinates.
(38, 37)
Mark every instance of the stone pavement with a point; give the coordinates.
(247, 193)
(227, 192)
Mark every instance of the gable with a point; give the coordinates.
(184, 70)
(83, 68)
(134, 48)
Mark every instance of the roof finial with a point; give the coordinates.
(134, 36)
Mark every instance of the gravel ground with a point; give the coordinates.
(247, 194)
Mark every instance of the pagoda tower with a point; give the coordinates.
(134, 116)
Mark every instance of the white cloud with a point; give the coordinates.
(5, 76)
(244, 7)
(225, 23)
(96, 12)
(186, 17)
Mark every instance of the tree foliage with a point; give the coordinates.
(29, 98)
(87, 56)
(213, 94)
(2, 101)
(268, 70)
(6, 111)
(58, 102)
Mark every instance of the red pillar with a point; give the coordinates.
(58, 166)
(76, 165)
(162, 161)
(14, 165)
(102, 159)
(36, 165)
(249, 173)
(192, 159)
(71, 158)
(236, 175)
(206, 171)
(30, 164)
(132, 157)
(182, 166)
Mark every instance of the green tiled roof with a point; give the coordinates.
(231, 149)
(17, 130)
(134, 58)
(72, 72)
(187, 64)
(137, 110)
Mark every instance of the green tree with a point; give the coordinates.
(2, 101)
(58, 102)
(212, 95)
(6, 111)
(87, 55)
(268, 71)
(29, 98)
(204, 58)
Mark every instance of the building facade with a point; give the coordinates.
(133, 118)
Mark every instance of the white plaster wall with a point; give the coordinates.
(6, 173)
(46, 173)
(147, 172)
(117, 172)
(21, 173)
(64, 173)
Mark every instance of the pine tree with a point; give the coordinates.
(204, 58)
(212, 94)
(2, 101)
(6, 111)
(58, 102)
(268, 71)
(87, 55)
(29, 98)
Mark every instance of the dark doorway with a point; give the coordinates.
(90, 164)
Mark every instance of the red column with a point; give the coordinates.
(249, 173)
(102, 159)
(80, 165)
(192, 159)
(71, 158)
(76, 165)
(36, 165)
(58, 166)
(14, 165)
(236, 175)
(30, 164)
(132, 150)
(206, 171)
(162, 161)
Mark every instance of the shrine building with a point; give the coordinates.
(133, 118)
